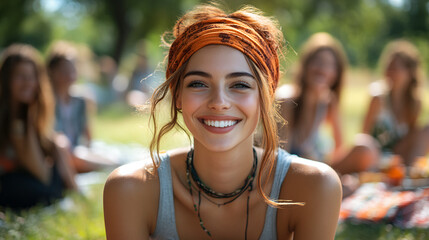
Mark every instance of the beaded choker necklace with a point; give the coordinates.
(248, 185)
(210, 192)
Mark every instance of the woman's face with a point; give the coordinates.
(322, 70)
(397, 74)
(219, 98)
(63, 75)
(24, 83)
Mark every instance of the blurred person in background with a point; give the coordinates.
(106, 91)
(141, 84)
(71, 112)
(315, 100)
(396, 104)
(34, 169)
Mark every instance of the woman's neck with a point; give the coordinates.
(63, 96)
(397, 95)
(17, 110)
(314, 96)
(224, 171)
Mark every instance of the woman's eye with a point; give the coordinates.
(196, 84)
(241, 85)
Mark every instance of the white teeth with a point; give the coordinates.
(220, 124)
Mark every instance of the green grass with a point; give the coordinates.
(122, 124)
(377, 231)
(77, 217)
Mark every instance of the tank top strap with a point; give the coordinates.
(284, 160)
(166, 221)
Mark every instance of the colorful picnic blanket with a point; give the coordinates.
(374, 202)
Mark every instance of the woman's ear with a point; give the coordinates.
(179, 101)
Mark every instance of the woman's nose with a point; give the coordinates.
(219, 100)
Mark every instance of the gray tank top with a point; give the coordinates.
(166, 221)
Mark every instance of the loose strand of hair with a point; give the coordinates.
(158, 96)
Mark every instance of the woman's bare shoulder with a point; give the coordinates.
(130, 201)
(131, 174)
(137, 180)
(312, 179)
(139, 177)
(317, 186)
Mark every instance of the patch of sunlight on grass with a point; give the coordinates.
(132, 126)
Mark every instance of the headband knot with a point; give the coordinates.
(229, 32)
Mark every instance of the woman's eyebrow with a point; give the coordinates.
(240, 74)
(230, 75)
(198, 73)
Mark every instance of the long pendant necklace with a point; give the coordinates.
(248, 185)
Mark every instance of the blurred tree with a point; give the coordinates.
(114, 27)
(133, 19)
(22, 21)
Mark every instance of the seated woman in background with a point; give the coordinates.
(221, 76)
(315, 100)
(33, 169)
(393, 112)
(71, 112)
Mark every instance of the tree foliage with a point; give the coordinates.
(115, 27)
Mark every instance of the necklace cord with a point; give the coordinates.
(209, 191)
(248, 185)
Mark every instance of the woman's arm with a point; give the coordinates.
(413, 117)
(130, 202)
(335, 122)
(29, 151)
(87, 130)
(373, 109)
(64, 163)
(320, 189)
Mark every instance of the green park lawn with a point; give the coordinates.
(80, 216)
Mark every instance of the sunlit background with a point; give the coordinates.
(115, 28)
(119, 44)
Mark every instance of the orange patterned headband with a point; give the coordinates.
(229, 32)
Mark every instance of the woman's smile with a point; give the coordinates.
(219, 124)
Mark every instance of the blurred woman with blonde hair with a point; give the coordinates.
(393, 113)
(315, 100)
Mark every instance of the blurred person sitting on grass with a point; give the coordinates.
(34, 169)
(71, 112)
(396, 104)
(315, 100)
(221, 76)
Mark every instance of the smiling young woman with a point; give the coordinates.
(222, 73)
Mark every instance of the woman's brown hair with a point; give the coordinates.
(60, 51)
(316, 43)
(272, 35)
(409, 55)
(11, 57)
